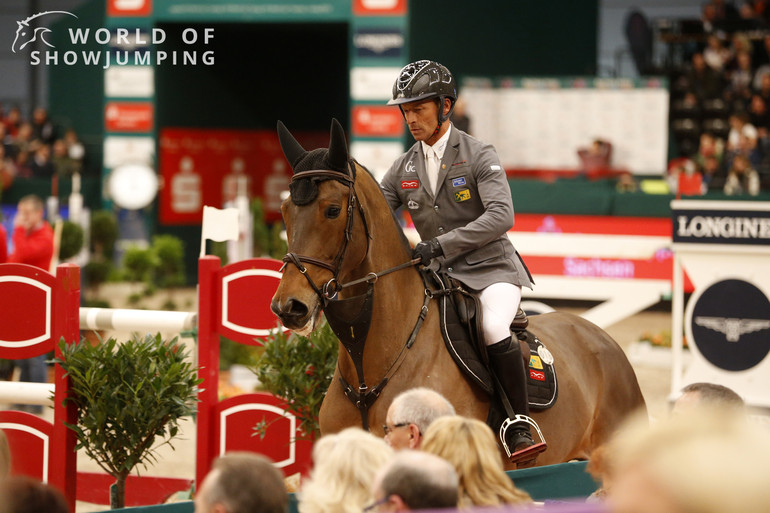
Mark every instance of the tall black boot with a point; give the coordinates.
(508, 365)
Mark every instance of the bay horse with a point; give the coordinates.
(346, 248)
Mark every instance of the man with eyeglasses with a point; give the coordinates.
(410, 414)
(414, 480)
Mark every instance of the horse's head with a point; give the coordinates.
(324, 241)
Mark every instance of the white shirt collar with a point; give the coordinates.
(439, 146)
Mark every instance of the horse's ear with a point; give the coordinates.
(292, 150)
(338, 148)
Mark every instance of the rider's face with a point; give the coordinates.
(421, 118)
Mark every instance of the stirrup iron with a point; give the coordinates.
(518, 419)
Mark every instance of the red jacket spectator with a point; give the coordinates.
(32, 236)
(34, 247)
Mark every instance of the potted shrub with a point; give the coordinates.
(127, 396)
(71, 240)
(104, 234)
(169, 265)
(299, 370)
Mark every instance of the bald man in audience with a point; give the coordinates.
(414, 480)
(242, 482)
(710, 396)
(410, 414)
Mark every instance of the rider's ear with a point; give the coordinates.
(338, 148)
(292, 150)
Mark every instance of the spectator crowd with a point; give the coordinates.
(36, 147)
(720, 102)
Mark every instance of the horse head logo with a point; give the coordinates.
(26, 33)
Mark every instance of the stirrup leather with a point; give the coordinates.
(518, 419)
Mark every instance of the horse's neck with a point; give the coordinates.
(399, 295)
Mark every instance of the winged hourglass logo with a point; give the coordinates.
(731, 327)
(27, 32)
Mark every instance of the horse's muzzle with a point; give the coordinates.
(294, 314)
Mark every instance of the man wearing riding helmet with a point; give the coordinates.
(458, 197)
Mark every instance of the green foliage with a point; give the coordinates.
(127, 396)
(169, 260)
(71, 240)
(267, 237)
(260, 233)
(170, 304)
(104, 233)
(96, 303)
(160, 265)
(299, 370)
(231, 353)
(278, 246)
(138, 264)
(97, 271)
(219, 249)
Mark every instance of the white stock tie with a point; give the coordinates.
(431, 166)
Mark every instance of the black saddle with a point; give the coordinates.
(460, 317)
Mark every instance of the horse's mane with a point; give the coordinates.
(403, 238)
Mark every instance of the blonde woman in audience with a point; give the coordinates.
(470, 446)
(704, 462)
(344, 467)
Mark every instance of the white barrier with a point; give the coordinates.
(101, 319)
(12, 392)
(136, 320)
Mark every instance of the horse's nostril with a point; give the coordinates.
(295, 308)
(291, 309)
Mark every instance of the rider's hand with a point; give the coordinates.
(427, 251)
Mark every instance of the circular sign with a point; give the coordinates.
(133, 186)
(730, 325)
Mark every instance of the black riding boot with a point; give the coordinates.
(508, 365)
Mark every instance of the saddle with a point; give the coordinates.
(461, 329)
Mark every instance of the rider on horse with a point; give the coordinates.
(458, 196)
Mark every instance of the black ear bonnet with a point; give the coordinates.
(335, 158)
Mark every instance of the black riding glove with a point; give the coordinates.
(427, 251)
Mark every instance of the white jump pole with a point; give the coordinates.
(26, 393)
(136, 320)
(101, 319)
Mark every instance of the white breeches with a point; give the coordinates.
(499, 303)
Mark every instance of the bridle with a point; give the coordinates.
(330, 289)
(350, 318)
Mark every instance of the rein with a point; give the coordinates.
(350, 318)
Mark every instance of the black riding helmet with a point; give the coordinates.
(425, 79)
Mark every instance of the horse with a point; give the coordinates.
(347, 249)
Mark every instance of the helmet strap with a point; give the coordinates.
(441, 116)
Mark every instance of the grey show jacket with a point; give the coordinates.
(470, 214)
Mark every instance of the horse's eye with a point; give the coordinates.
(332, 212)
